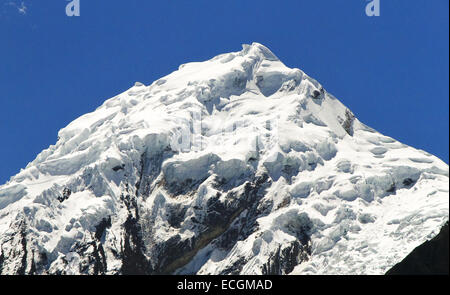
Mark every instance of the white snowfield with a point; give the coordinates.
(237, 165)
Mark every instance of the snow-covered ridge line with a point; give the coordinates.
(233, 165)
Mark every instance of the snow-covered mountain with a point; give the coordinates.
(236, 165)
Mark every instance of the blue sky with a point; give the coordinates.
(392, 71)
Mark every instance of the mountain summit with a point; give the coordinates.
(236, 165)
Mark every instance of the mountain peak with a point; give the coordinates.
(235, 165)
(259, 50)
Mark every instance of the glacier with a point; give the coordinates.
(235, 165)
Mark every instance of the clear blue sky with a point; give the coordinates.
(392, 71)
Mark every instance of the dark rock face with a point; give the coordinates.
(149, 169)
(285, 260)
(316, 94)
(348, 122)
(430, 258)
(65, 195)
(23, 242)
(19, 253)
(101, 227)
(2, 259)
(218, 221)
(93, 258)
(134, 262)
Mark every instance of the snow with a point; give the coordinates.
(364, 199)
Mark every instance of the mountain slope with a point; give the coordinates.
(430, 258)
(236, 165)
